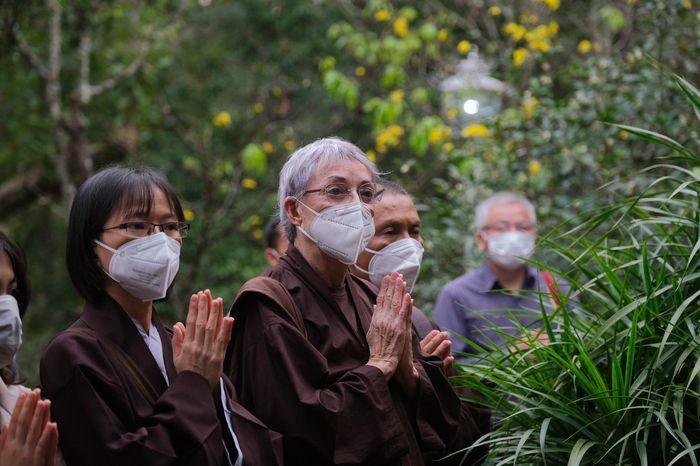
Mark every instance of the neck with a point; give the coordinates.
(510, 279)
(139, 310)
(331, 270)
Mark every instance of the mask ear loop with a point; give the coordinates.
(113, 251)
(299, 227)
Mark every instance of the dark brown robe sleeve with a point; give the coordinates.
(444, 423)
(283, 379)
(99, 424)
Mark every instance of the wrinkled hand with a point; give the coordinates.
(29, 439)
(200, 346)
(386, 336)
(406, 373)
(438, 344)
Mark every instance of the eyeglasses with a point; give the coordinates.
(502, 227)
(338, 193)
(140, 229)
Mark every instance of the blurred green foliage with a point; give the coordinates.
(227, 90)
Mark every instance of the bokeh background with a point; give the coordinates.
(217, 94)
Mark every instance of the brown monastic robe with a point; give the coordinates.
(104, 419)
(331, 407)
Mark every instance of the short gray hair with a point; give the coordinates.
(305, 162)
(503, 197)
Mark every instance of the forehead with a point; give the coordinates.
(351, 172)
(395, 207)
(509, 212)
(6, 270)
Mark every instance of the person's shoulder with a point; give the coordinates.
(77, 348)
(466, 281)
(71, 346)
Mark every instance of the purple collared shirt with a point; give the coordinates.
(467, 304)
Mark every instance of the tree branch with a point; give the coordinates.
(124, 74)
(84, 50)
(28, 53)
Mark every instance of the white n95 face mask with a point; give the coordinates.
(145, 267)
(341, 231)
(10, 329)
(509, 249)
(403, 256)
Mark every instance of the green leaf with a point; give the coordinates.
(578, 451)
(254, 159)
(657, 138)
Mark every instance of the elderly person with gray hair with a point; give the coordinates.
(323, 357)
(504, 292)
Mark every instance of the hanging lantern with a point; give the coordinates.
(471, 95)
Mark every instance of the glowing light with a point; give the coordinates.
(471, 106)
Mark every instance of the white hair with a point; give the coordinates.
(305, 162)
(500, 198)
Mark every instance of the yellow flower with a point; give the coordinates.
(452, 113)
(464, 47)
(529, 105)
(289, 145)
(552, 28)
(396, 95)
(249, 183)
(189, 215)
(254, 220)
(519, 56)
(360, 71)
(624, 135)
(585, 46)
(389, 137)
(258, 108)
(267, 147)
(442, 35)
(528, 18)
(687, 4)
(448, 147)
(515, 31)
(534, 167)
(435, 135)
(258, 233)
(494, 11)
(372, 156)
(382, 15)
(401, 27)
(222, 119)
(475, 130)
(277, 91)
(552, 4)
(540, 44)
(597, 46)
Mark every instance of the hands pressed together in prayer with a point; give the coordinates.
(29, 439)
(389, 336)
(200, 346)
(437, 343)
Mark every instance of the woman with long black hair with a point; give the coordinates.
(124, 388)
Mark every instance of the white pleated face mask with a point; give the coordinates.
(403, 256)
(341, 231)
(145, 267)
(510, 248)
(10, 329)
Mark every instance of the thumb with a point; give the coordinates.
(178, 338)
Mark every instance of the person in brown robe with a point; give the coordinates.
(124, 389)
(321, 358)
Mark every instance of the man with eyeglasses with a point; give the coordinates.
(503, 295)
